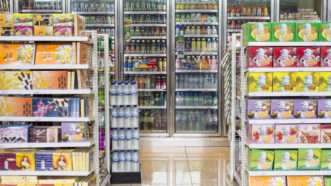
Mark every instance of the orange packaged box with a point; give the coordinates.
(55, 54)
(15, 106)
(16, 53)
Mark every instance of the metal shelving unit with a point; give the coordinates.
(35, 6)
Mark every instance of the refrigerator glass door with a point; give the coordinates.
(41, 6)
(145, 59)
(5, 5)
(300, 10)
(196, 65)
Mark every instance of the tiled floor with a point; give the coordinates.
(189, 166)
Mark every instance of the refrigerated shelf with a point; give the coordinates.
(144, 12)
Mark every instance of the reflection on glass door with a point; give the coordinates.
(41, 6)
(5, 5)
(145, 59)
(197, 60)
(300, 10)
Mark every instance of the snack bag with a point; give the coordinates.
(305, 81)
(259, 56)
(325, 34)
(257, 31)
(325, 133)
(324, 108)
(258, 109)
(286, 159)
(263, 134)
(285, 57)
(309, 159)
(304, 108)
(267, 181)
(308, 31)
(283, 31)
(286, 134)
(261, 159)
(282, 109)
(281, 82)
(326, 56)
(259, 82)
(309, 133)
(326, 159)
(308, 56)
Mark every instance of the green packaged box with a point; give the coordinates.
(307, 31)
(257, 32)
(286, 160)
(309, 159)
(326, 159)
(261, 159)
(325, 33)
(327, 181)
(283, 31)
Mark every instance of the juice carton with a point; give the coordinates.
(304, 181)
(261, 159)
(260, 82)
(324, 81)
(258, 109)
(305, 81)
(257, 32)
(286, 159)
(309, 159)
(309, 56)
(282, 109)
(262, 134)
(281, 82)
(308, 31)
(324, 108)
(309, 133)
(326, 159)
(23, 24)
(325, 33)
(305, 108)
(259, 56)
(287, 134)
(267, 181)
(325, 133)
(285, 57)
(283, 31)
(326, 56)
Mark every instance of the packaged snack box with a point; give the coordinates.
(15, 106)
(15, 80)
(7, 160)
(74, 132)
(281, 82)
(14, 134)
(262, 134)
(309, 159)
(258, 109)
(304, 181)
(325, 34)
(62, 160)
(327, 181)
(309, 56)
(25, 160)
(257, 31)
(308, 31)
(285, 57)
(286, 159)
(305, 108)
(325, 133)
(261, 159)
(326, 56)
(305, 81)
(63, 24)
(324, 81)
(6, 24)
(55, 54)
(282, 109)
(13, 53)
(259, 82)
(326, 159)
(43, 25)
(23, 24)
(283, 31)
(50, 79)
(267, 181)
(287, 134)
(309, 133)
(324, 108)
(259, 56)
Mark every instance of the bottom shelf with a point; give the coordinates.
(46, 173)
(126, 178)
(291, 173)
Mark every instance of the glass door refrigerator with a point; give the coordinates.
(6, 6)
(196, 67)
(40, 6)
(145, 60)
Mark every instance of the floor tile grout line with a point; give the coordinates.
(189, 167)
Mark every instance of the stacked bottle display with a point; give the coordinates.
(197, 61)
(145, 58)
(125, 127)
(30, 6)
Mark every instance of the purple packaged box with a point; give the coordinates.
(258, 109)
(324, 108)
(74, 132)
(305, 108)
(7, 161)
(282, 109)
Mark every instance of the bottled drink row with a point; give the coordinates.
(152, 99)
(125, 117)
(99, 19)
(147, 46)
(146, 31)
(198, 44)
(123, 93)
(145, 19)
(110, 31)
(236, 24)
(125, 161)
(248, 10)
(145, 5)
(196, 4)
(40, 5)
(196, 120)
(93, 6)
(151, 82)
(125, 139)
(4, 5)
(196, 18)
(133, 64)
(191, 81)
(196, 98)
(153, 120)
(203, 30)
(197, 63)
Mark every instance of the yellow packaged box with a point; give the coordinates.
(304, 181)
(25, 160)
(43, 25)
(260, 82)
(305, 81)
(62, 160)
(267, 181)
(15, 80)
(55, 53)
(325, 81)
(281, 82)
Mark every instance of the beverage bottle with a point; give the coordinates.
(115, 139)
(127, 165)
(114, 117)
(214, 45)
(135, 141)
(135, 115)
(122, 161)
(193, 47)
(115, 162)
(121, 138)
(188, 44)
(204, 45)
(199, 46)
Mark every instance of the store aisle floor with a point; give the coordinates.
(191, 166)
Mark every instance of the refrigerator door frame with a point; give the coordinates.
(15, 7)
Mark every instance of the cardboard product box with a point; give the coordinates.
(309, 133)
(326, 159)
(325, 33)
(304, 181)
(261, 159)
(7, 160)
(285, 57)
(324, 81)
(43, 25)
(309, 56)
(55, 53)
(25, 160)
(309, 159)
(305, 108)
(305, 81)
(282, 109)
(259, 82)
(286, 159)
(325, 133)
(23, 24)
(259, 56)
(283, 31)
(324, 108)
(286, 134)
(258, 109)
(281, 82)
(308, 31)
(259, 31)
(44, 160)
(267, 180)
(17, 53)
(326, 56)
(263, 134)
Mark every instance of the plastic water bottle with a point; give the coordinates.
(115, 139)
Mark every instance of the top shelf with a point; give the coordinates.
(45, 38)
(289, 44)
(249, 18)
(197, 11)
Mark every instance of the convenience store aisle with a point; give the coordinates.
(190, 166)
